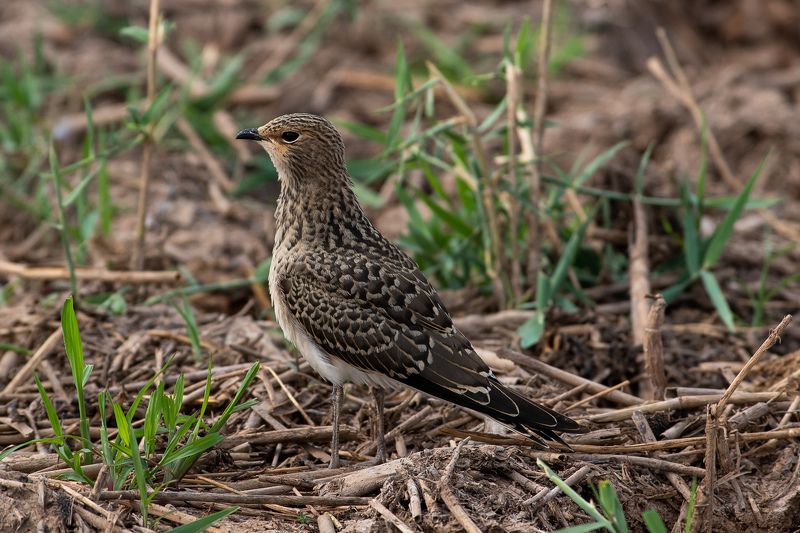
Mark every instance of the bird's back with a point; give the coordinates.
(365, 303)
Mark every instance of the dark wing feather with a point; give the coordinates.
(384, 317)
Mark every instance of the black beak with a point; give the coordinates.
(249, 134)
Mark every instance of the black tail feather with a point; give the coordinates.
(536, 421)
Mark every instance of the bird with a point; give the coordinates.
(359, 309)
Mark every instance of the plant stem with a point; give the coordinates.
(63, 230)
(497, 271)
(513, 75)
(539, 107)
(137, 260)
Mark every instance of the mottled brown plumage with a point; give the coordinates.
(354, 304)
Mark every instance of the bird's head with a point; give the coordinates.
(303, 147)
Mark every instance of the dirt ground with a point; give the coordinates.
(742, 61)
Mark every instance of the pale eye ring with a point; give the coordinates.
(289, 136)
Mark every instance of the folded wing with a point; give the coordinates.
(384, 317)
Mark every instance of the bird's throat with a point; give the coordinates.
(310, 212)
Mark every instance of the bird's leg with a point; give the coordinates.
(380, 456)
(337, 409)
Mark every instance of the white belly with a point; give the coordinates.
(331, 368)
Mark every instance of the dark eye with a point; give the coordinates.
(289, 136)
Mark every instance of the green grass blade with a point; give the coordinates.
(717, 297)
(492, 117)
(8, 451)
(402, 86)
(525, 46)
(595, 164)
(62, 218)
(125, 428)
(143, 391)
(638, 181)
(176, 436)
(191, 328)
(531, 331)
(80, 188)
(691, 238)
(172, 405)
(674, 291)
(74, 349)
(104, 198)
(195, 449)
(229, 409)
(201, 524)
(460, 226)
(209, 287)
(716, 245)
(106, 449)
(653, 522)
(582, 528)
(152, 417)
(15, 348)
(52, 415)
(363, 130)
(568, 255)
(587, 507)
(688, 526)
(727, 202)
(612, 507)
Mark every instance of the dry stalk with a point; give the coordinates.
(25, 372)
(769, 342)
(539, 107)
(639, 273)
(654, 350)
(709, 481)
(173, 68)
(325, 523)
(75, 123)
(173, 515)
(680, 88)
(214, 167)
(685, 402)
(390, 516)
(497, 269)
(414, 500)
(153, 39)
(290, 396)
(289, 43)
(545, 495)
(244, 499)
(647, 434)
(361, 482)
(513, 75)
(544, 369)
(794, 409)
(449, 497)
(408, 423)
(302, 435)
(597, 395)
(95, 274)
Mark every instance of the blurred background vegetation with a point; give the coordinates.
(547, 190)
(436, 101)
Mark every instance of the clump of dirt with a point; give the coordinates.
(27, 506)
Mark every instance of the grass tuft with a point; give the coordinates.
(147, 455)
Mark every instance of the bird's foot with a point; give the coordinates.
(380, 457)
(334, 461)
